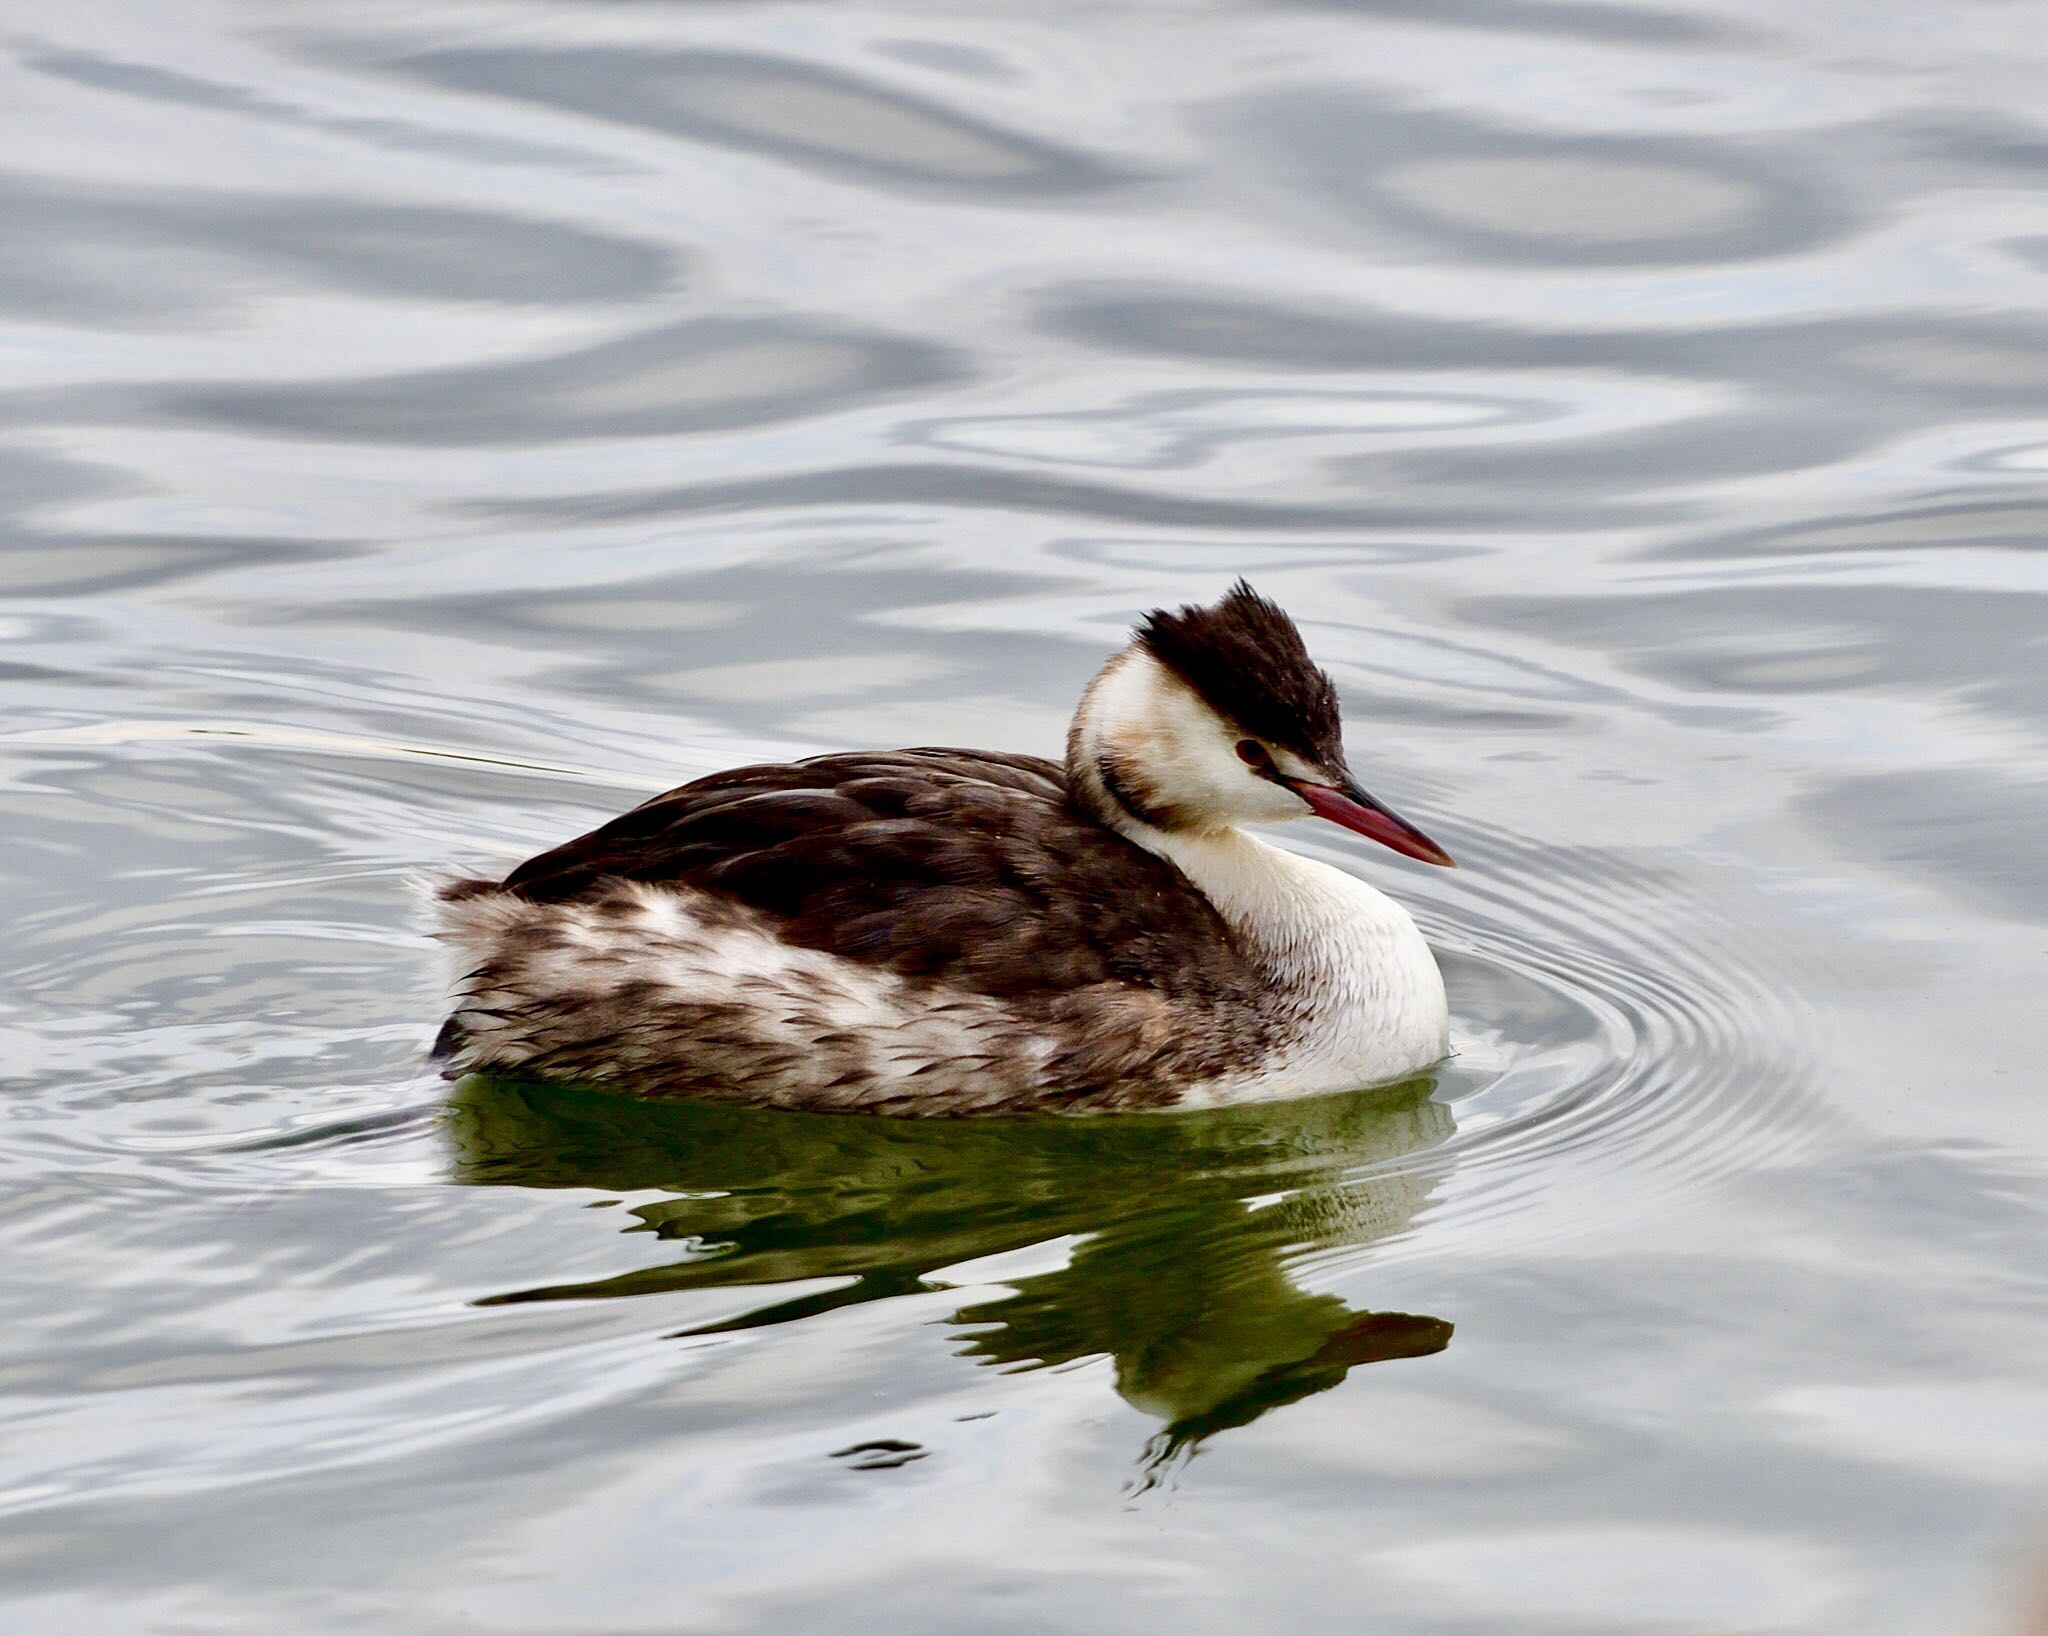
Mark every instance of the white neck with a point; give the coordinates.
(1346, 980)
(1352, 984)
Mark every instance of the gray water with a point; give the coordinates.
(425, 430)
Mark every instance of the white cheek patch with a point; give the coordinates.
(1182, 751)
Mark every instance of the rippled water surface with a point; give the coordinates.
(425, 429)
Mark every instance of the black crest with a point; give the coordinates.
(1247, 661)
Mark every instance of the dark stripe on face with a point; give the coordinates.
(1119, 790)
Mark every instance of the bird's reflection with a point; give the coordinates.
(1184, 1223)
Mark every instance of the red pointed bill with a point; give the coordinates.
(1352, 808)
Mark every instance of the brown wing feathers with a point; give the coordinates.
(961, 866)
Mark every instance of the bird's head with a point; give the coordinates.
(1215, 717)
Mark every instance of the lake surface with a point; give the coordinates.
(424, 431)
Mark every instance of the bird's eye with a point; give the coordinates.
(1252, 753)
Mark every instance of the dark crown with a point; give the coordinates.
(1247, 661)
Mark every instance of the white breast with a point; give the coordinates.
(1356, 991)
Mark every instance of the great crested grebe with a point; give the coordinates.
(962, 931)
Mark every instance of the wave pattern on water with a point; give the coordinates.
(424, 433)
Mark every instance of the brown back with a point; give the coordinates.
(963, 866)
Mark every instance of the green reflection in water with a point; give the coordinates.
(1186, 1224)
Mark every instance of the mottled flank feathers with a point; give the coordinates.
(938, 882)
